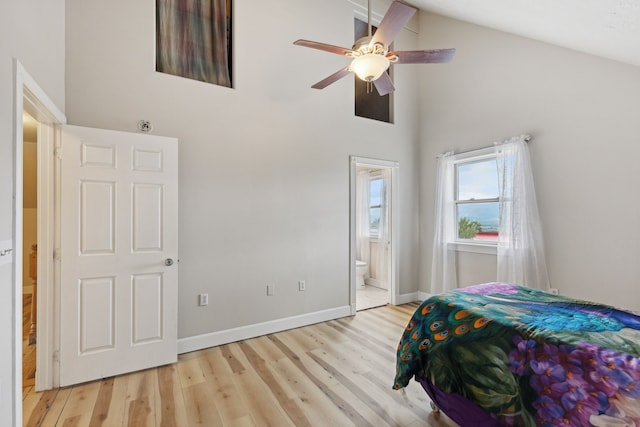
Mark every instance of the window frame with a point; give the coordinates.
(377, 177)
(470, 245)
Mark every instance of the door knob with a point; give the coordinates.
(168, 262)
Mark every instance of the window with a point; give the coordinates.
(489, 191)
(477, 199)
(375, 205)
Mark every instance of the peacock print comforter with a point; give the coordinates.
(527, 357)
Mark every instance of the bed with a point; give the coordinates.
(501, 354)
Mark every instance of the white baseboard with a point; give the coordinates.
(424, 295)
(411, 297)
(198, 342)
(406, 298)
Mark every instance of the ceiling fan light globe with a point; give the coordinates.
(369, 67)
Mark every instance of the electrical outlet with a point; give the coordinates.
(203, 299)
(554, 291)
(270, 290)
(302, 285)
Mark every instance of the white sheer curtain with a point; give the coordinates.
(362, 216)
(383, 258)
(520, 247)
(443, 265)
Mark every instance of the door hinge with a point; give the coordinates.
(57, 254)
(57, 152)
(56, 356)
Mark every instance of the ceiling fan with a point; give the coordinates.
(371, 56)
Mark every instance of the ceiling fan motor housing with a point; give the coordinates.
(364, 46)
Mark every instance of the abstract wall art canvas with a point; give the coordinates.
(193, 39)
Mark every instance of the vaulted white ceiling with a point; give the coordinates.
(606, 28)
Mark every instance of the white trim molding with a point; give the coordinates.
(424, 295)
(198, 342)
(30, 97)
(417, 296)
(394, 166)
(474, 248)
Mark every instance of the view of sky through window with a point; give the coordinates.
(478, 180)
(477, 194)
(375, 199)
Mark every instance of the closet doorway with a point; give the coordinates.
(373, 232)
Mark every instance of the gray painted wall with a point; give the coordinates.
(583, 114)
(264, 167)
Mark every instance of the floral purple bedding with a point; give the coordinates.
(527, 357)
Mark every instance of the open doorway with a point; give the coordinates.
(29, 248)
(33, 139)
(373, 232)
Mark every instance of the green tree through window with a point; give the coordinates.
(477, 199)
(467, 229)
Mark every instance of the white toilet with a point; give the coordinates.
(362, 268)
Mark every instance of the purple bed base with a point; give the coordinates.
(458, 408)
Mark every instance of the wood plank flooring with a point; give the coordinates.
(28, 350)
(336, 373)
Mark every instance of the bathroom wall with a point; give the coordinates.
(377, 281)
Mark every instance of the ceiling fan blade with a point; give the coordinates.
(332, 78)
(424, 56)
(383, 84)
(323, 46)
(396, 17)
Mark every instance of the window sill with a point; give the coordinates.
(477, 248)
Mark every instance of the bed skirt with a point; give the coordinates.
(457, 407)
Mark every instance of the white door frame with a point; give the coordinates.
(30, 97)
(393, 221)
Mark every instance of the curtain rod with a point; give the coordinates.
(526, 137)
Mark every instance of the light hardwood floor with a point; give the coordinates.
(28, 350)
(370, 296)
(337, 373)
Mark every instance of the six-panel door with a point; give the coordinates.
(119, 226)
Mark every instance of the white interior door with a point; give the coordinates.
(119, 248)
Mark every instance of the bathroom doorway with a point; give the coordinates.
(373, 226)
